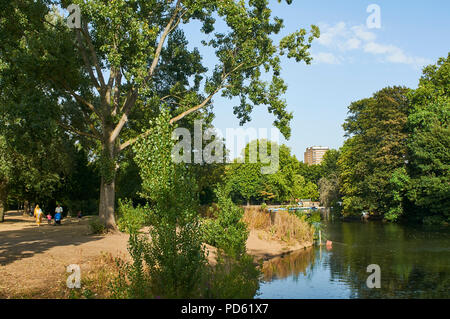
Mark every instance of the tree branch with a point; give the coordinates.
(195, 108)
(127, 108)
(93, 54)
(164, 35)
(131, 99)
(86, 61)
(78, 98)
(185, 113)
(74, 130)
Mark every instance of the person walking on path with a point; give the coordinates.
(38, 215)
(58, 215)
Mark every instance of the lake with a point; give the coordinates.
(414, 263)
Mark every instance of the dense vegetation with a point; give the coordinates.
(105, 80)
(396, 160)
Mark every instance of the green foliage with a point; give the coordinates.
(329, 190)
(283, 184)
(96, 226)
(396, 159)
(227, 231)
(429, 144)
(314, 217)
(172, 263)
(233, 278)
(143, 49)
(376, 147)
(131, 219)
(399, 183)
(244, 180)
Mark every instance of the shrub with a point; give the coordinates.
(172, 263)
(232, 278)
(227, 231)
(96, 225)
(132, 219)
(263, 206)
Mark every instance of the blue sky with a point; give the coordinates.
(351, 62)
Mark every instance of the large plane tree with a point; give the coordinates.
(106, 79)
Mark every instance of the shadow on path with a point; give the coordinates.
(30, 240)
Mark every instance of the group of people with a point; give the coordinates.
(39, 214)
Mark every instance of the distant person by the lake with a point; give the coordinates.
(79, 214)
(38, 215)
(49, 218)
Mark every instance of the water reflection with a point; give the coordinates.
(291, 265)
(414, 261)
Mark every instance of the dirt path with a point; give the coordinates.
(33, 259)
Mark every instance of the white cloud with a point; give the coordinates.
(326, 57)
(394, 54)
(362, 33)
(353, 44)
(344, 38)
(328, 34)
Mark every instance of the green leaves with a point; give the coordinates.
(375, 149)
(397, 153)
(227, 231)
(429, 144)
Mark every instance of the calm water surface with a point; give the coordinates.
(414, 262)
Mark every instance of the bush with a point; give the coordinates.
(96, 225)
(227, 231)
(233, 278)
(131, 219)
(171, 261)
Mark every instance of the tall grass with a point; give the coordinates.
(282, 225)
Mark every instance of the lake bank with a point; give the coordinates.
(261, 246)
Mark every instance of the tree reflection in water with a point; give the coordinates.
(289, 265)
(414, 263)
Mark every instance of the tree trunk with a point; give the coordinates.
(3, 197)
(107, 203)
(2, 213)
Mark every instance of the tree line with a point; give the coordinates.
(395, 161)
